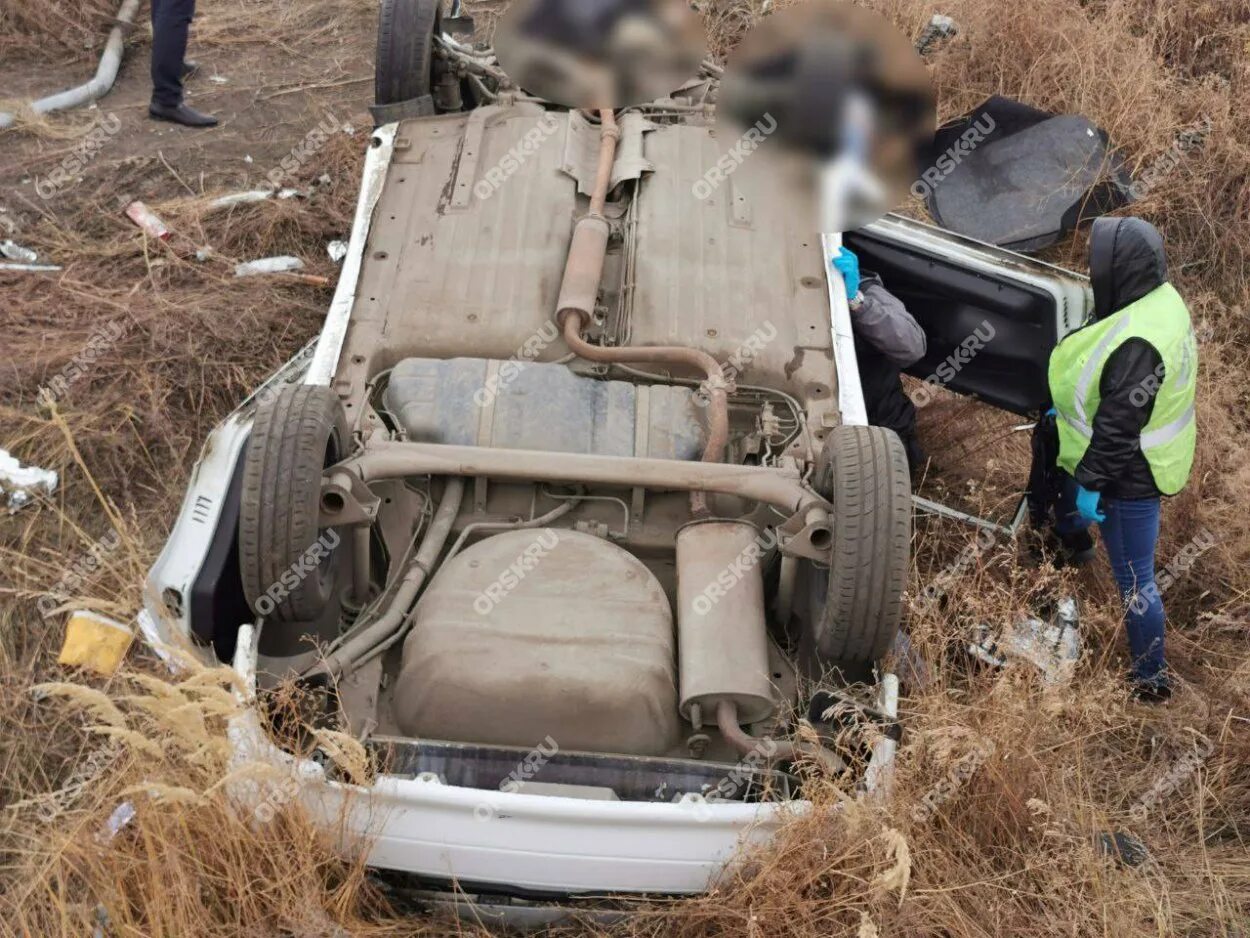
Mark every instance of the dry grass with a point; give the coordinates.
(1009, 851)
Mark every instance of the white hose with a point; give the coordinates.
(106, 74)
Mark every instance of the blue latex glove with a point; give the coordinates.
(1052, 413)
(1087, 505)
(847, 264)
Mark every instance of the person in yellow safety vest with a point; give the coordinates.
(1123, 390)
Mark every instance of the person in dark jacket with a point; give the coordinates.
(887, 340)
(171, 25)
(1123, 389)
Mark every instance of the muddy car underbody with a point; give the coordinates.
(588, 657)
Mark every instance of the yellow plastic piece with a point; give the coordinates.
(96, 642)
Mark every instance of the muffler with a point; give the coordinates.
(722, 633)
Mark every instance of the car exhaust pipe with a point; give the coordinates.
(579, 293)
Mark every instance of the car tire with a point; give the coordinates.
(857, 604)
(404, 67)
(298, 432)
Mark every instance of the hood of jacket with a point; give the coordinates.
(1126, 261)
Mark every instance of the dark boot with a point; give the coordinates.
(1076, 549)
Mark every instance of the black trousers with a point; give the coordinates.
(171, 22)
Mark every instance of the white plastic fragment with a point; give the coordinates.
(337, 250)
(15, 252)
(253, 195)
(269, 265)
(19, 484)
(29, 268)
(122, 815)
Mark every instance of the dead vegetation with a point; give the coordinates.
(1011, 848)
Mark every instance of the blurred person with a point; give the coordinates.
(171, 24)
(1123, 389)
(887, 340)
(600, 53)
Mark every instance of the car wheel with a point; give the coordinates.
(287, 562)
(857, 604)
(404, 68)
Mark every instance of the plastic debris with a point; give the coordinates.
(218, 79)
(1052, 647)
(285, 266)
(15, 252)
(269, 265)
(19, 484)
(95, 642)
(122, 815)
(253, 195)
(337, 250)
(148, 220)
(29, 267)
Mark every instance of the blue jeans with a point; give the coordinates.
(1130, 534)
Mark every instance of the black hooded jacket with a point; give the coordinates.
(1126, 262)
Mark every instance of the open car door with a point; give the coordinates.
(992, 317)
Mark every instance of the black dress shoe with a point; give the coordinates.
(189, 68)
(182, 114)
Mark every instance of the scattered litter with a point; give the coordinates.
(253, 195)
(204, 254)
(1051, 647)
(269, 265)
(219, 79)
(95, 642)
(285, 266)
(148, 220)
(337, 250)
(1124, 848)
(248, 159)
(122, 815)
(19, 484)
(29, 267)
(939, 27)
(15, 252)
